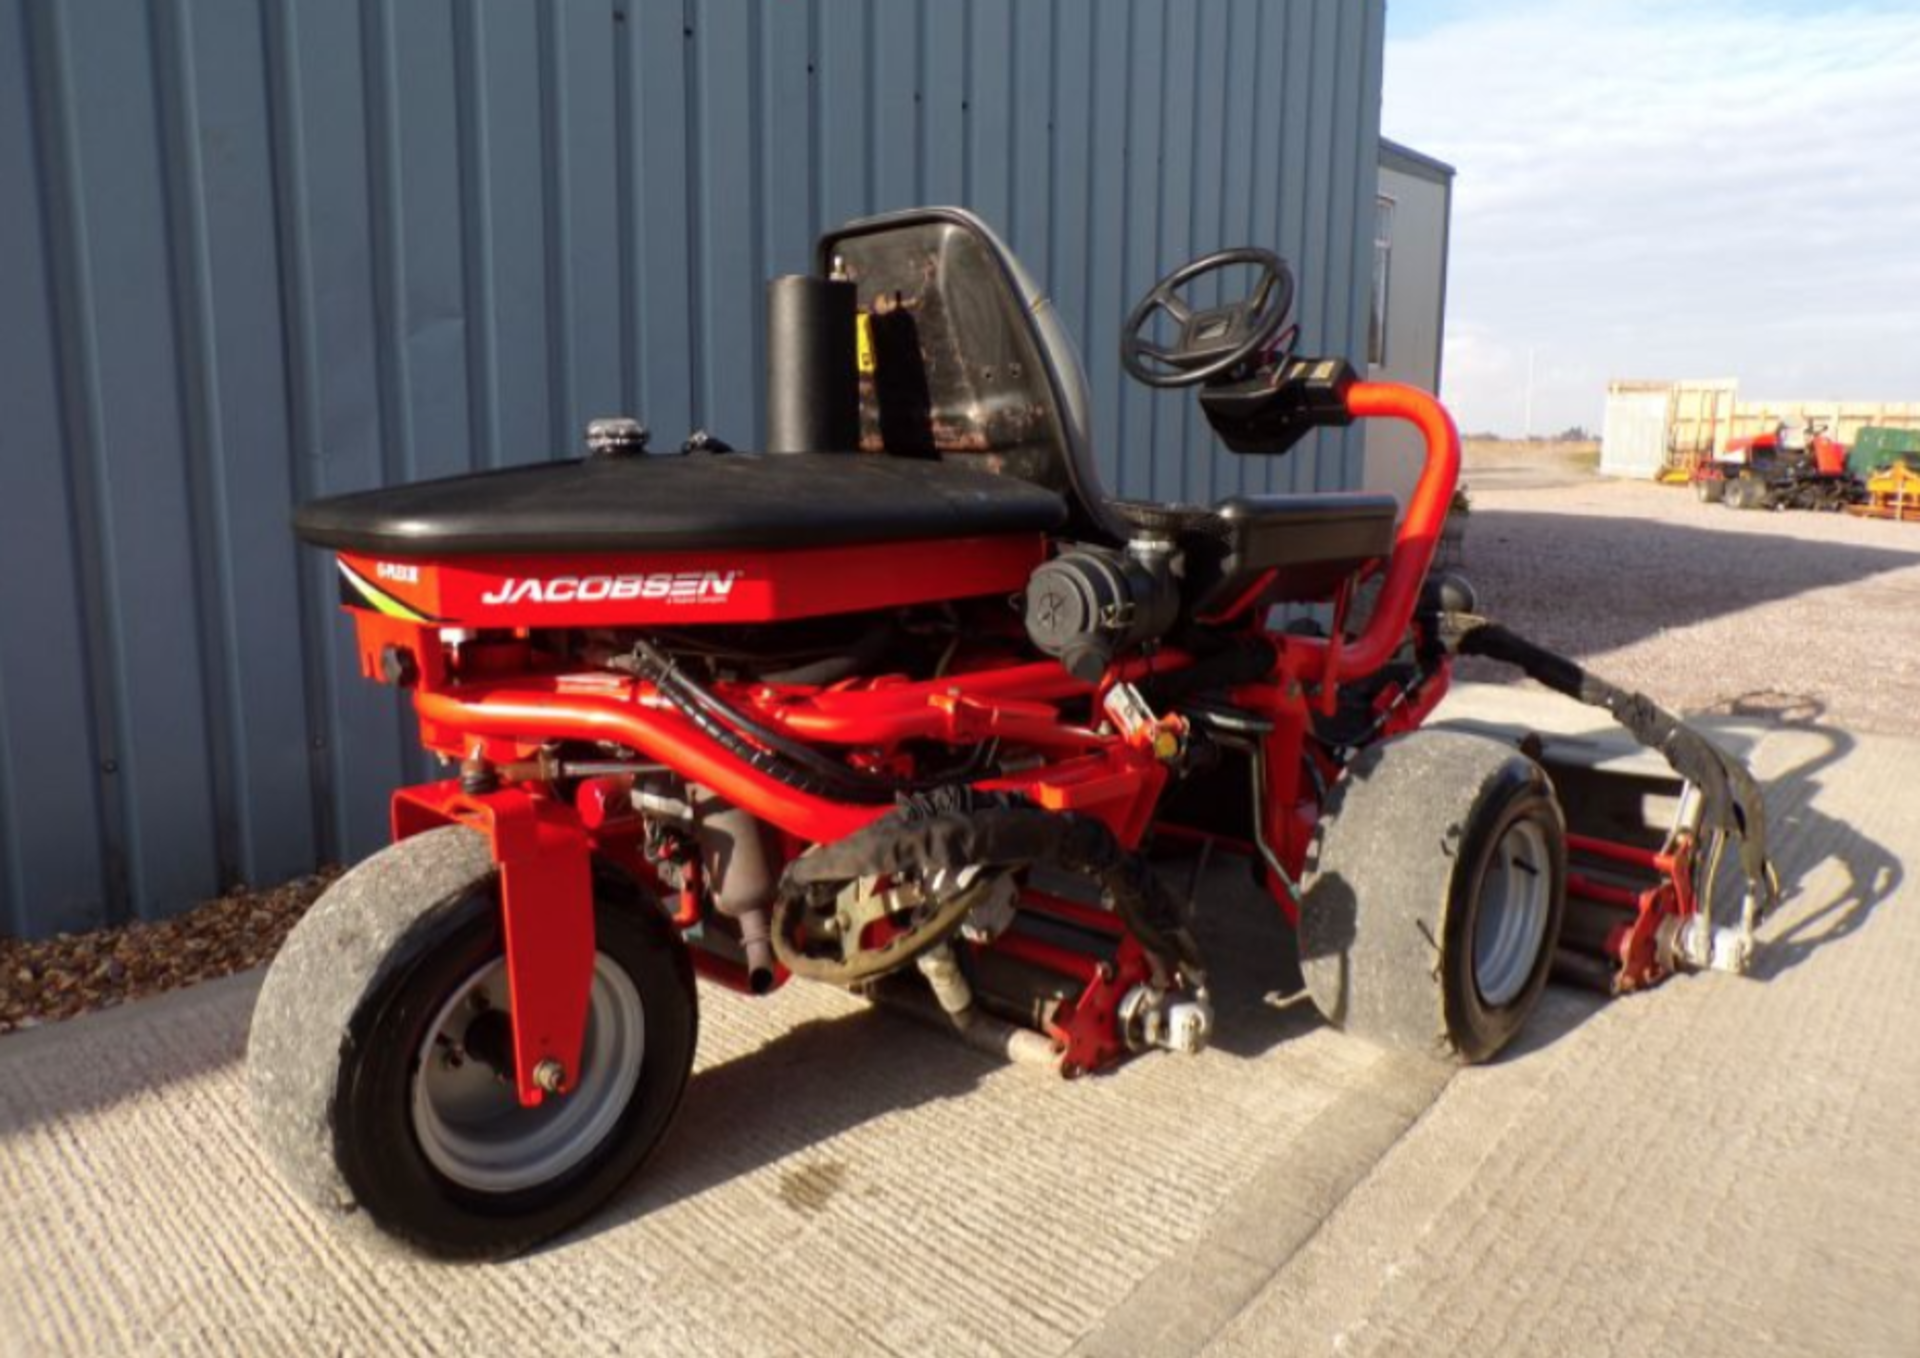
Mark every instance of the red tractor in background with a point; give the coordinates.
(1791, 467)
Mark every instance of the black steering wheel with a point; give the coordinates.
(1217, 340)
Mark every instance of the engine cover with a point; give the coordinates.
(682, 588)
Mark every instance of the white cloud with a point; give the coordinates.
(1658, 190)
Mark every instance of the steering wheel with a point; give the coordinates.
(1215, 341)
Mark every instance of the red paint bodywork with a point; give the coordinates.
(677, 589)
(1829, 455)
(1633, 944)
(482, 689)
(546, 908)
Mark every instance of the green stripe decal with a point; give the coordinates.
(377, 598)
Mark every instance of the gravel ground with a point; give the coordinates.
(71, 974)
(1701, 607)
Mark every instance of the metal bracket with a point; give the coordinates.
(546, 916)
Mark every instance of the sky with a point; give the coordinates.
(1664, 190)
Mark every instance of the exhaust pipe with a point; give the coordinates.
(737, 863)
(756, 937)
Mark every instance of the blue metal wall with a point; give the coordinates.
(253, 251)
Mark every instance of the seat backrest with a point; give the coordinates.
(969, 362)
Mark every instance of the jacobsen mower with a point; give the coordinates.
(1791, 467)
(906, 700)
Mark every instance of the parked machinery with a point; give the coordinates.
(1793, 467)
(1888, 461)
(911, 699)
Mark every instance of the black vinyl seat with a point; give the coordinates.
(688, 502)
(1309, 543)
(974, 422)
(975, 368)
(973, 365)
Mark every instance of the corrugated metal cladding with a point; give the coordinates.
(259, 250)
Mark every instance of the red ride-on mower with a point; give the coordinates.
(1792, 467)
(906, 697)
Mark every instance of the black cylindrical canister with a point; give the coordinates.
(813, 379)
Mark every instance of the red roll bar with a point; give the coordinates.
(1414, 544)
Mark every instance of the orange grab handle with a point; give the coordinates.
(1415, 543)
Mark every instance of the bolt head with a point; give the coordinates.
(550, 1076)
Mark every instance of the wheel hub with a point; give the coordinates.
(467, 1117)
(1510, 924)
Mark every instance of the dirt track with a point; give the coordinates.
(1702, 607)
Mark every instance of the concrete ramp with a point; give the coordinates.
(1719, 1166)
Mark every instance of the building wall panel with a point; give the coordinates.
(262, 250)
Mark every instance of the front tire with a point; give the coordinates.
(367, 1057)
(1748, 492)
(1709, 490)
(1435, 895)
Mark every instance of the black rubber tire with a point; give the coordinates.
(1393, 891)
(345, 1009)
(1746, 492)
(1709, 490)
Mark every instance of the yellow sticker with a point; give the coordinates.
(863, 340)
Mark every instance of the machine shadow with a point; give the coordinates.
(130, 1051)
(828, 1076)
(812, 1082)
(1253, 955)
(1806, 838)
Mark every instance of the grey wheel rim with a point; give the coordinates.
(1510, 924)
(468, 1121)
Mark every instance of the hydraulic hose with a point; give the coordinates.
(777, 755)
(763, 760)
(1733, 800)
(959, 828)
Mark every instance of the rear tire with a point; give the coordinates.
(1434, 896)
(1747, 492)
(1709, 490)
(365, 1083)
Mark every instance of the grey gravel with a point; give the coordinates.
(1810, 617)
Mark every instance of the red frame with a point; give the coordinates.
(546, 908)
(1635, 951)
(491, 698)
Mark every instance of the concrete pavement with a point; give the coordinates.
(1720, 1166)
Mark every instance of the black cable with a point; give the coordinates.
(963, 829)
(816, 773)
(806, 755)
(770, 763)
(1734, 802)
